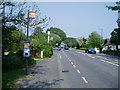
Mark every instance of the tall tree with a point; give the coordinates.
(57, 31)
(115, 37)
(115, 34)
(116, 8)
(56, 39)
(16, 14)
(95, 40)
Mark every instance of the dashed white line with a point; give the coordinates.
(71, 62)
(74, 66)
(84, 80)
(78, 71)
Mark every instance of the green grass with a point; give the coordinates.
(9, 77)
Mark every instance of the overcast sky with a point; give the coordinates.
(79, 19)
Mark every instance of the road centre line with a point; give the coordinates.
(74, 66)
(71, 62)
(78, 71)
(84, 80)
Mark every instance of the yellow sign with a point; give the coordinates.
(32, 15)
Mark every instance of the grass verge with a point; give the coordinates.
(9, 77)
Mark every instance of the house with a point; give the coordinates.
(108, 45)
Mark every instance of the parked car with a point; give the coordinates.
(57, 48)
(90, 50)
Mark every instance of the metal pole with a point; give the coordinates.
(3, 26)
(27, 41)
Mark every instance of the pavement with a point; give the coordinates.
(45, 74)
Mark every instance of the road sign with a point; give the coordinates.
(26, 52)
(32, 15)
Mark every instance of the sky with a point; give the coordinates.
(79, 19)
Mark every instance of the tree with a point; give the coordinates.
(18, 11)
(57, 31)
(15, 15)
(13, 39)
(56, 39)
(95, 40)
(115, 37)
(71, 42)
(116, 8)
(81, 40)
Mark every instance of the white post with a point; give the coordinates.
(48, 36)
(41, 54)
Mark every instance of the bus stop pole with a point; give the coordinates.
(27, 41)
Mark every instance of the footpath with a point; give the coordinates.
(45, 74)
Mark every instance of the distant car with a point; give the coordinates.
(90, 50)
(57, 48)
(66, 48)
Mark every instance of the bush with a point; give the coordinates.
(109, 51)
(85, 46)
(9, 77)
(10, 62)
(16, 61)
(48, 51)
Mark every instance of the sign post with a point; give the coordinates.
(26, 53)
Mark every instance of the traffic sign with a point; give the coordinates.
(26, 52)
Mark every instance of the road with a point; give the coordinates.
(83, 70)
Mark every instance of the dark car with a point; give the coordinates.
(57, 48)
(66, 48)
(90, 50)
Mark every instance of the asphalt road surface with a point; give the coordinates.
(72, 69)
(83, 70)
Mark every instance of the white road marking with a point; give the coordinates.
(110, 63)
(84, 80)
(71, 62)
(78, 71)
(74, 66)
